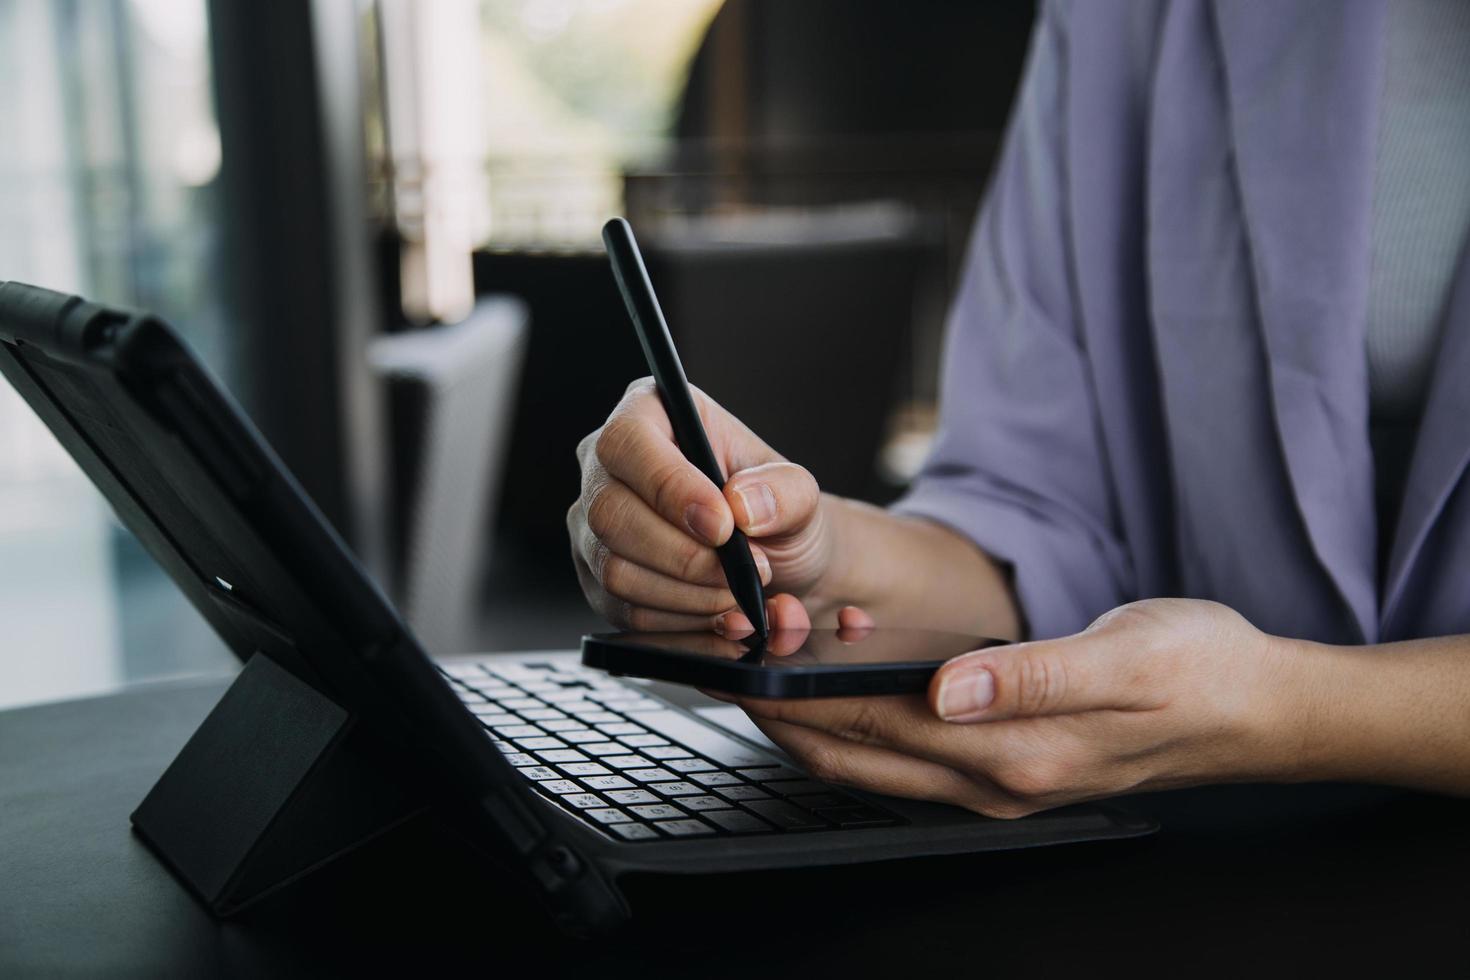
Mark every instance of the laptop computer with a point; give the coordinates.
(339, 726)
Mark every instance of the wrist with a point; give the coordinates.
(1324, 729)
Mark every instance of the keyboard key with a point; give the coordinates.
(540, 715)
(519, 704)
(584, 801)
(541, 742)
(471, 697)
(537, 687)
(578, 736)
(598, 717)
(621, 728)
(628, 796)
(742, 793)
(859, 816)
(684, 828)
(563, 695)
(823, 801)
(690, 765)
(768, 774)
(643, 741)
(560, 755)
(797, 787)
(634, 831)
(603, 748)
(520, 759)
(715, 778)
(643, 704)
(608, 815)
(657, 811)
(677, 788)
(584, 769)
(786, 816)
(736, 821)
(626, 762)
(538, 773)
(704, 740)
(463, 670)
(519, 731)
(704, 802)
(561, 787)
(606, 782)
(564, 725)
(649, 775)
(665, 751)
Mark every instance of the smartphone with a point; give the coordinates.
(831, 663)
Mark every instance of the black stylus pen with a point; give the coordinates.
(673, 388)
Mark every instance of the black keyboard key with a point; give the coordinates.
(684, 828)
(538, 773)
(797, 787)
(823, 801)
(634, 831)
(705, 802)
(736, 821)
(679, 788)
(858, 816)
(786, 816)
(657, 811)
(584, 801)
(627, 797)
(768, 774)
(742, 793)
(690, 765)
(649, 775)
(606, 782)
(715, 778)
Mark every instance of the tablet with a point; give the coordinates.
(818, 663)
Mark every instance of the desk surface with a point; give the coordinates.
(1285, 879)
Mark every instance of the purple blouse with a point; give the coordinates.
(1156, 379)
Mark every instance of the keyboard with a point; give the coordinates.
(632, 767)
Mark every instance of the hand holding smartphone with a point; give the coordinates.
(818, 663)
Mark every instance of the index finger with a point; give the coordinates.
(637, 447)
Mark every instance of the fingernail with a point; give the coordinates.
(964, 695)
(704, 523)
(764, 564)
(759, 503)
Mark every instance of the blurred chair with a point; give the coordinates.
(451, 392)
(798, 320)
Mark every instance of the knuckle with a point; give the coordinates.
(1041, 684)
(825, 763)
(691, 563)
(865, 723)
(1031, 779)
(670, 482)
(637, 386)
(604, 511)
(614, 439)
(641, 618)
(615, 576)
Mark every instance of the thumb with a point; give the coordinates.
(1028, 680)
(772, 500)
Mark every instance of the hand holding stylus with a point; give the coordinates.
(645, 525)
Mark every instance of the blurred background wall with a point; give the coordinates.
(377, 221)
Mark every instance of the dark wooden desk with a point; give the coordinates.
(1273, 881)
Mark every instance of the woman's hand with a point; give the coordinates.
(645, 525)
(1159, 693)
